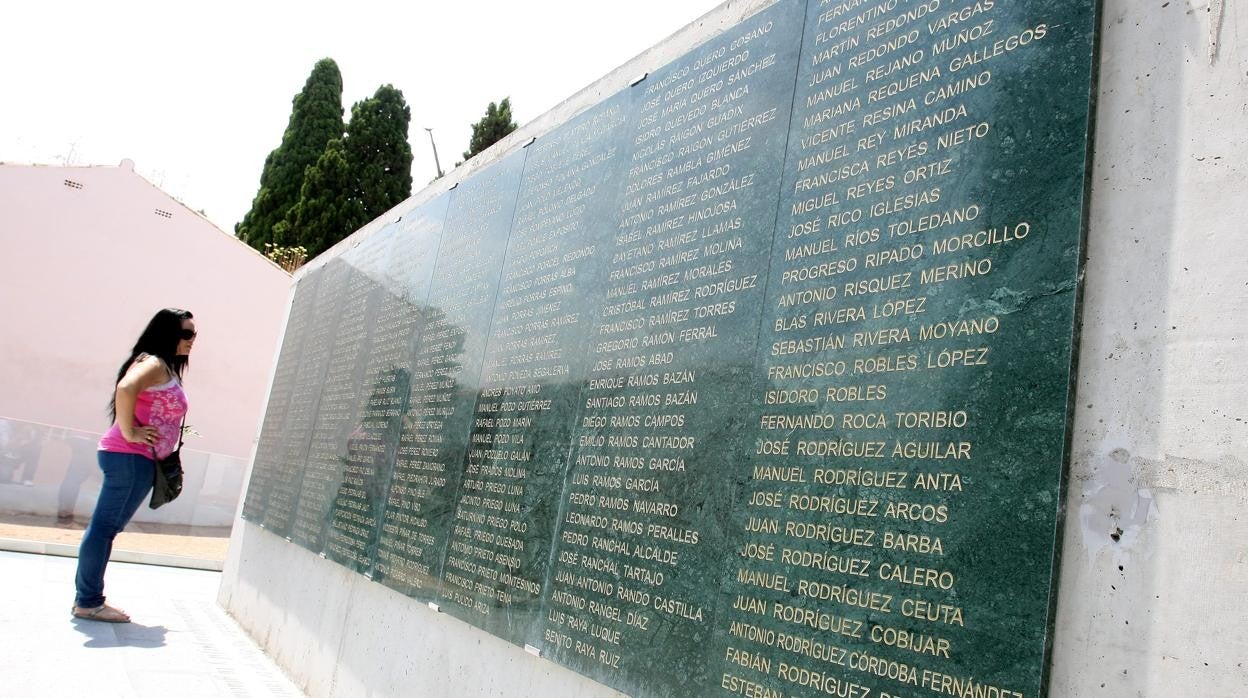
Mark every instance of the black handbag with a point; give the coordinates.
(167, 479)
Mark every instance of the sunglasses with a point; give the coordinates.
(187, 334)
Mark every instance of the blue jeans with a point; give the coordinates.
(127, 480)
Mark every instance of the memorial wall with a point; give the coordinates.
(753, 378)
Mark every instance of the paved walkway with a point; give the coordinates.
(180, 643)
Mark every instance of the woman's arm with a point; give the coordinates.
(141, 375)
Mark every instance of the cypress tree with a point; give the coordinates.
(378, 152)
(326, 211)
(491, 128)
(315, 118)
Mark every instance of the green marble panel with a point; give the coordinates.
(445, 369)
(401, 550)
(284, 494)
(399, 260)
(631, 591)
(534, 368)
(273, 433)
(337, 405)
(897, 516)
(366, 445)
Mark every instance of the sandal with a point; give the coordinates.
(103, 613)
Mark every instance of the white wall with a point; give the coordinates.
(83, 267)
(1161, 428)
(1160, 445)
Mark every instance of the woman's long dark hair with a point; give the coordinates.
(160, 338)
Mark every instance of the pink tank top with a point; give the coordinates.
(161, 406)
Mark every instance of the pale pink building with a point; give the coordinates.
(87, 254)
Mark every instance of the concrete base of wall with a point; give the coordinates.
(339, 634)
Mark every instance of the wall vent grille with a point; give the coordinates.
(72, 184)
(163, 213)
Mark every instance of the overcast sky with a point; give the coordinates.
(198, 94)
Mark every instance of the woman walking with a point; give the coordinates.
(147, 409)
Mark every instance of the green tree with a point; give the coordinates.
(378, 152)
(316, 117)
(327, 211)
(491, 128)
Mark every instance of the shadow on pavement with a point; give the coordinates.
(120, 634)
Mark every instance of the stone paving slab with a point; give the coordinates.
(179, 643)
